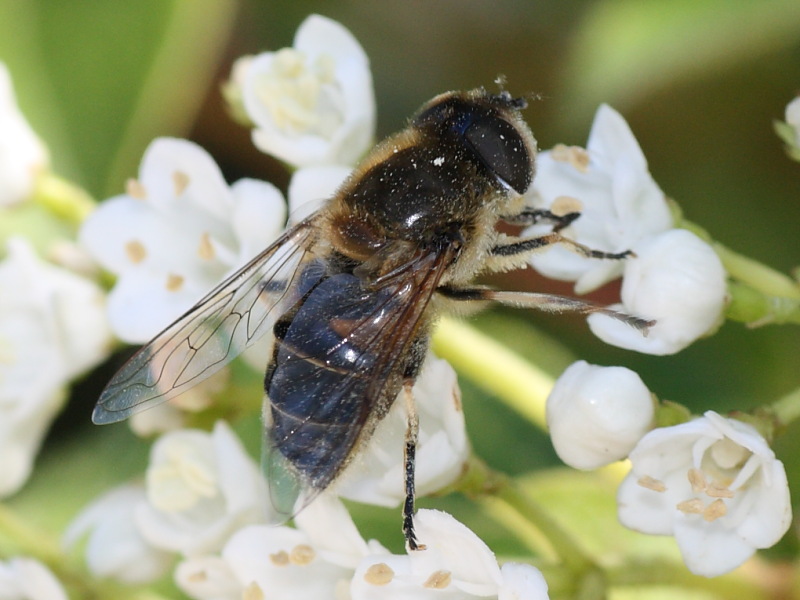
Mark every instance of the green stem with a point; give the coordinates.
(757, 275)
(63, 199)
(27, 540)
(495, 368)
(571, 553)
(506, 501)
(759, 294)
(747, 270)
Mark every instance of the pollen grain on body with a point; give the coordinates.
(379, 574)
(135, 251)
(652, 484)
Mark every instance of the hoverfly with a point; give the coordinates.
(351, 293)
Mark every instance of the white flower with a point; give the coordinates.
(310, 187)
(377, 475)
(312, 104)
(115, 547)
(281, 562)
(201, 487)
(596, 415)
(793, 117)
(676, 279)
(28, 579)
(454, 564)
(52, 328)
(22, 154)
(609, 184)
(177, 232)
(714, 484)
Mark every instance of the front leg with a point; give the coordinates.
(533, 216)
(514, 252)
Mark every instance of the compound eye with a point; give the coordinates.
(501, 149)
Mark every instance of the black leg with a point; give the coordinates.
(412, 433)
(529, 246)
(531, 216)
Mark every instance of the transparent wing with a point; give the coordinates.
(212, 333)
(323, 411)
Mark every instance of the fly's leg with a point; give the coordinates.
(545, 302)
(532, 216)
(529, 246)
(412, 434)
(514, 253)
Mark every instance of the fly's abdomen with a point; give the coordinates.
(318, 385)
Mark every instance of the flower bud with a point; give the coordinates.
(596, 415)
(676, 279)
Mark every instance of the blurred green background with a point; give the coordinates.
(699, 81)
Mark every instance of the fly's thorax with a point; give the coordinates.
(462, 153)
(417, 190)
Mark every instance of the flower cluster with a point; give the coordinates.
(712, 483)
(176, 232)
(52, 329)
(52, 322)
(326, 557)
(201, 513)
